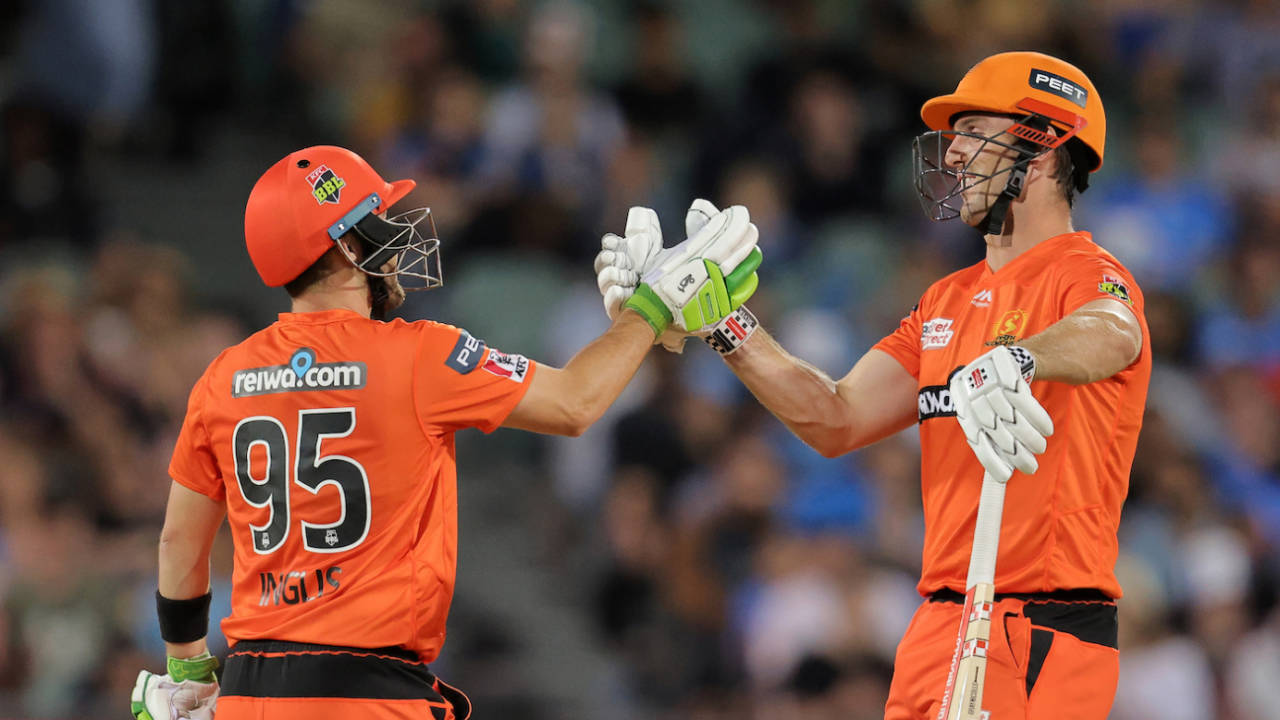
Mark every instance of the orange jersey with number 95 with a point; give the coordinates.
(330, 438)
(1059, 526)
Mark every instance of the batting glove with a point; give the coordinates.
(622, 260)
(189, 690)
(1002, 421)
(699, 282)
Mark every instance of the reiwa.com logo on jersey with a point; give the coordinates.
(300, 374)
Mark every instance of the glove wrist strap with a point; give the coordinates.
(646, 302)
(731, 332)
(1026, 362)
(199, 668)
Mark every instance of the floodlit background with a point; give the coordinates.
(687, 558)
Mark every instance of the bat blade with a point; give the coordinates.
(962, 698)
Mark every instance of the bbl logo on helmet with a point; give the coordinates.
(325, 186)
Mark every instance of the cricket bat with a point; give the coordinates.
(962, 698)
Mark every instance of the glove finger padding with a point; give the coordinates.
(1026, 434)
(1022, 458)
(1031, 409)
(614, 276)
(993, 461)
(728, 235)
(700, 212)
(644, 220)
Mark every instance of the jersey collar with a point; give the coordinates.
(1038, 256)
(320, 316)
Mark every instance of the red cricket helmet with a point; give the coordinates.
(300, 202)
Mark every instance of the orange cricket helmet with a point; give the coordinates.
(1001, 84)
(1053, 104)
(299, 203)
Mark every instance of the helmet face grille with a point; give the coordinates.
(941, 187)
(408, 241)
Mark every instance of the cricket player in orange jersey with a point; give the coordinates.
(1061, 321)
(327, 441)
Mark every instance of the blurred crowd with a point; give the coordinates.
(719, 568)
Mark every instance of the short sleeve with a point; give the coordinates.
(903, 344)
(1085, 278)
(193, 465)
(459, 382)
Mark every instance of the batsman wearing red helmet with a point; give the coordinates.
(327, 441)
(1052, 325)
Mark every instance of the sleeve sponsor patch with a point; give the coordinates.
(1116, 288)
(936, 333)
(466, 354)
(512, 367)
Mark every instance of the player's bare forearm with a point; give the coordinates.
(875, 399)
(1093, 343)
(568, 400)
(190, 524)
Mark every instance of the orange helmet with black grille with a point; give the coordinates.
(1053, 104)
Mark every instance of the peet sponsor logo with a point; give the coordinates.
(466, 354)
(1058, 85)
(300, 374)
(296, 586)
(934, 401)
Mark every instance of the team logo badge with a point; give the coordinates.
(325, 186)
(1116, 288)
(1007, 329)
(936, 333)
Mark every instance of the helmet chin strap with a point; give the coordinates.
(379, 296)
(993, 224)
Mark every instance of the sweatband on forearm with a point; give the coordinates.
(183, 621)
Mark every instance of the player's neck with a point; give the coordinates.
(1026, 229)
(335, 294)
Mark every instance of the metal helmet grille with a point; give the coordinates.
(940, 186)
(409, 239)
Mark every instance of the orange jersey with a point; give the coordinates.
(330, 438)
(1059, 529)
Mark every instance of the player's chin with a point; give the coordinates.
(971, 215)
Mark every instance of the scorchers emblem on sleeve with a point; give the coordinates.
(1116, 288)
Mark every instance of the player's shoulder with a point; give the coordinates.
(1082, 252)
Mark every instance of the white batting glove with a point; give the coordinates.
(622, 260)
(188, 691)
(1002, 421)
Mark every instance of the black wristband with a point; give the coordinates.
(183, 621)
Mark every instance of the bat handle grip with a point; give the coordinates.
(986, 533)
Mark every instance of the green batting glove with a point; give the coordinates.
(696, 295)
(190, 690)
